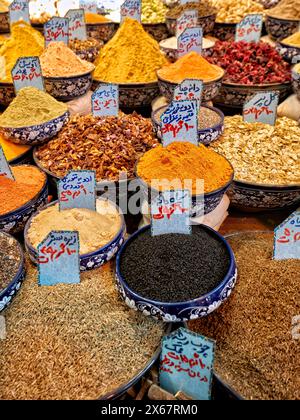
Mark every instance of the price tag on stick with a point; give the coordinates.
(186, 364)
(249, 29)
(77, 190)
(105, 100)
(89, 6)
(180, 122)
(188, 19)
(261, 107)
(58, 259)
(57, 29)
(19, 10)
(27, 72)
(170, 213)
(189, 89)
(190, 40)
(77, 27)
(287, 238)
(131, 9)
(5, 169)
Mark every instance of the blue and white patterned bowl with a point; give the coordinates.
(206, 22)
(15, 221)
(279, 28)
(35, 134)
(224, 31)
(206, 135)
(7, 93)
(209, 92)
(288, 52)
(68, 88)
(296, 83)
(181, 311)
(10, 291)
(93, 259)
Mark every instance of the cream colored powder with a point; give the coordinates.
(96, 229)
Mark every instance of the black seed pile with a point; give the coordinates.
(174, 267)
(10, 259)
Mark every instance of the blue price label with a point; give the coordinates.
(19, 10)
(57, 29)
(77, 27)
(5, 169)
(105, 100)
(188, 19)
(186, 364)
(287, 238)
(77, 190)
(170, 213)
(189, 89)
(131, 9)
(88, 5)
(190, 40)
(249, 29)
(58, 259)
(180, 122)
(261, 107)
(27, 72)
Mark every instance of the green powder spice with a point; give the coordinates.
(31, 107)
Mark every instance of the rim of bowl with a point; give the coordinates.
(168, 304)
(37, 126)
(199, 17)
(31, 201)
(82, 256)
(212, 108)
(7, 85)
(75, 76)
(209, 82)
(260, 86)
(283, 19)
(268, 186)
(20, 268)
(136, 85)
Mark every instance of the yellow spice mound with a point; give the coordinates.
(131, 56)
(293, 40)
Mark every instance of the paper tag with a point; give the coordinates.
(186, 364)
(105, 100)
(287, 238)
(4, 166)
(131, 9)
(249, 29)
(180, 122)
(190, 40)
(77, 28)
(170, 213)
(77, 190)
(88, 6)
(19, 10)
(261, 107)
(189, 89)
(58, 259)
(188, 19)
(57, 29)
(2, 328)
(27, 72)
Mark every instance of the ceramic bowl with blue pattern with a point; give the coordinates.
(206, 135)
(68, 88)
(35, 134)
(15, 221)
(288, 52)
(9, 292)
(179, 311)
(93, 259)
(206, 22)
(279, 28)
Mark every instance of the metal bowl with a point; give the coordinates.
(68, 88)
(206, 22)
(279, 28)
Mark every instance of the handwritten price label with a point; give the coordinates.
(261, 107)
(57, 29)
(190, 40)
(188, 19)
(187, 364)
(88, 6)
(77, 190)
(19, 10)
(77, 28)
(249, 29)
(189, 89)
(287, 238)
(27, 72)
(131, 9)
(4, 166)
(170, 213)
(105, 100)
(180, 122)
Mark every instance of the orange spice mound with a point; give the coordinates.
(29, 181)
(190, 66)
(95, 18)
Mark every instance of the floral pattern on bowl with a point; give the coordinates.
(7, 93)
(280, 28)
(101, 31)
(4, 23)
(288, 52)
(224, 31)
(35, 134)
(206, 22)
(67, 88)
(181, 311)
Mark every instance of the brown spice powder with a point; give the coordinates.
(256, 354)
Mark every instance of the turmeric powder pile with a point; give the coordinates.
(190, 66)
(91, 18)
(170, 167)
(131, 56)
(24, 42)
